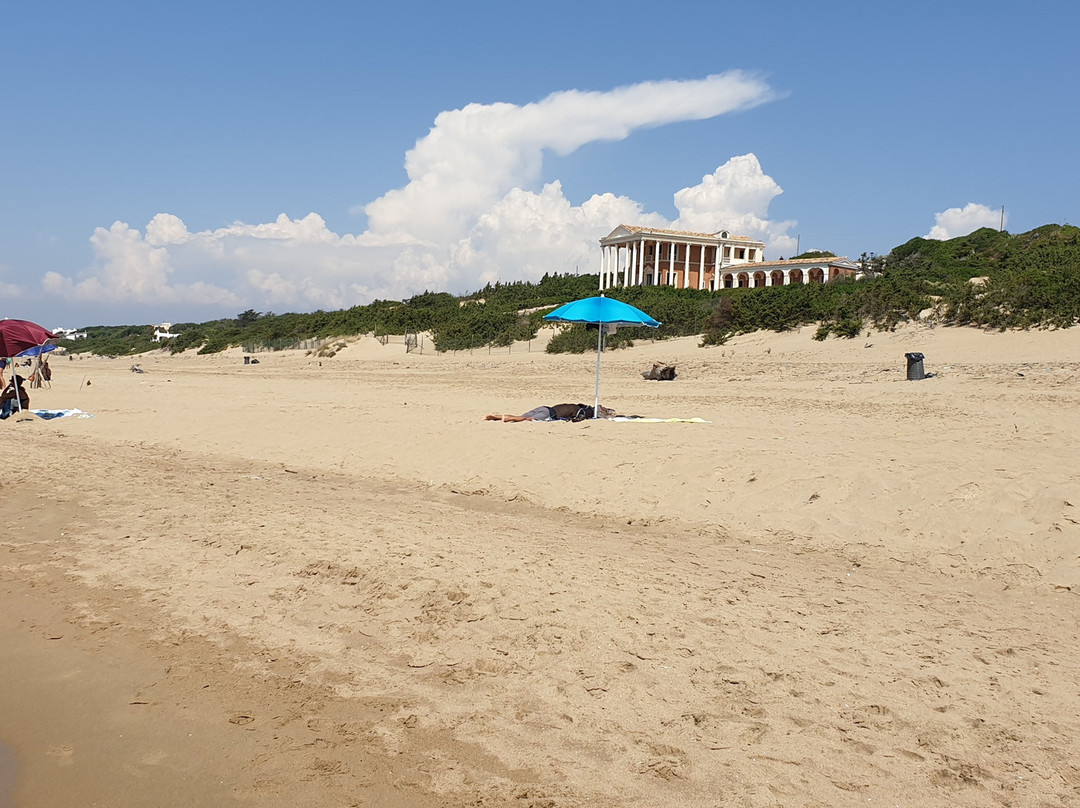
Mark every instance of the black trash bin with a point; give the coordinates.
(915, 367)
(247, 360)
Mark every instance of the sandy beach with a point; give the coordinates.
(329, 582)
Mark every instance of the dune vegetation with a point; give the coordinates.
(987, 279)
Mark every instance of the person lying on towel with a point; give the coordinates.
(560, 412)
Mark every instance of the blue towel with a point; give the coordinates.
(49, 414)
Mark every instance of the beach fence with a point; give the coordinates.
(412, 342)
(417, 342)
(284, 345)
(421, 343)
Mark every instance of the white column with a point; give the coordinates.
(768, 279)
(641, 262)
(656, 264)
(701, 269)
(686, 265)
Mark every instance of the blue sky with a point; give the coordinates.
(186, 162)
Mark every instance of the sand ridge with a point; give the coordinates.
(846, 587)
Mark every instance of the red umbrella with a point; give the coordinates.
(18, 335)
(15, 337)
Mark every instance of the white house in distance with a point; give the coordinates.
(162, 332)
(69, 333)
(644, 256)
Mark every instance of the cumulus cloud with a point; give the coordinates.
(129, 268)
(735, 197)
(473, 156)
(956, 222)
(470, 213)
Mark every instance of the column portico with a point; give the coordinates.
(626, 250)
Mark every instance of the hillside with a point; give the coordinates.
(987, 279)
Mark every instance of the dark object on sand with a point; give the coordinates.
(915, 367)
(660, 373)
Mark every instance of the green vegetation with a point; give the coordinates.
(988, 279)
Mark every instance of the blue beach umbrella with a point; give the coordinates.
(606, 313)
(37, 350)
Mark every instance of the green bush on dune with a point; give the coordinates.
(987, 279)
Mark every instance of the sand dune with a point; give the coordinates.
(328, 581)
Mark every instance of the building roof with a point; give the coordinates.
(688, 234)
(830, 261)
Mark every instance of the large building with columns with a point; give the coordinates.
(644, 256)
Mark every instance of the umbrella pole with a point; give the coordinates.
(599, 346)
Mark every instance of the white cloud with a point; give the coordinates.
(957, 222)
(471, 213)
(735, 197)
(165, 229)
(474, 156)
(536, 233)
(128, 268)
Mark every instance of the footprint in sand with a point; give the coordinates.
(64, 753)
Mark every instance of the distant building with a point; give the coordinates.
(643, 256)
(786, 273)
(69, 333)
(162, 332)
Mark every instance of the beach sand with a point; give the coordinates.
(329, 582)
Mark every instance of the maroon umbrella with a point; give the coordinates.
(18, 335)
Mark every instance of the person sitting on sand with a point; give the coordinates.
(8, 404)
(560, 412)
